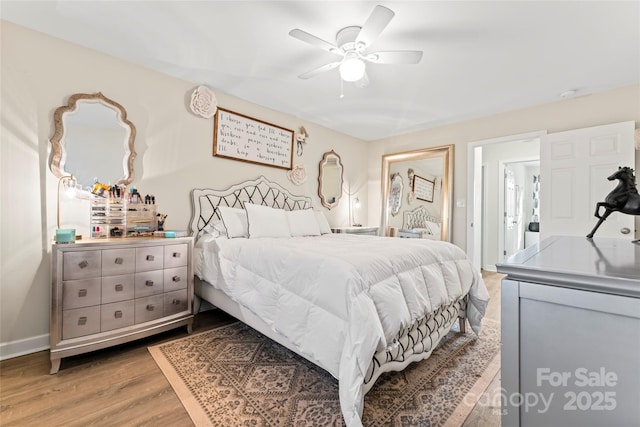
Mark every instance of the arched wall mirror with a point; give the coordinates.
(93, 139)
(330, 179)
(424, 205)
(396, 190)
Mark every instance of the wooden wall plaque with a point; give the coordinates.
(244, 138)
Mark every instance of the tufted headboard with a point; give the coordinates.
(260, 191)
(418, 218)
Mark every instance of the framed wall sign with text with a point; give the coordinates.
(423, 188)
(243, 138)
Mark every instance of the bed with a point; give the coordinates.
(354, 305)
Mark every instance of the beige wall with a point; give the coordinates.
(174, 155)
(617, 105)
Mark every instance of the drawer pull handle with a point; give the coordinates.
(176, 301)
(149, 283)
(176, 254)
(176, 278)
(83, 264)
(150, 257)
(119, 260)
(117, 314)
(150, 307)
(119, 287)
(82, 321)
(82, 293)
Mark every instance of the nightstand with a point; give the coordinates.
(372, 231)
(409, 234)
(106, 292)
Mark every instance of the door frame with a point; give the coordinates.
(474, 191)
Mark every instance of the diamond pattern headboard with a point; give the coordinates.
(261, 191)
(418, 218)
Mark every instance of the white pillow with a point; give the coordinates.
(215, 228)
(235, 221)
(303, 223)
(322, 223)
(266, 222)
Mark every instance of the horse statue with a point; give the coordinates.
(624, 198)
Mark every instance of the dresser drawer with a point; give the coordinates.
(176, 255)
(175, 302)
(149, 308)
(149, 283)
(80, 293)
(149, 258)
(116, 315)
(81, 265)
(118, 261)
(80, 322)
(175, 278)
(117, 288)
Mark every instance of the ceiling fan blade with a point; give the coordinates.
(376, 22)
(395, 57)
(315, 41)
(320, 70)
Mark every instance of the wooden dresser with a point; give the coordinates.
(570, 321)
(111, 291)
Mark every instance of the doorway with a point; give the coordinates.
(520, 205)
(486, 160)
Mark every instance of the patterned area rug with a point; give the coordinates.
(234, 376)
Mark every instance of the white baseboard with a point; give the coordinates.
(491, 267)
(11, 349)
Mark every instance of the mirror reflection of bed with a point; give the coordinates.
(424, 201)
(420, 223)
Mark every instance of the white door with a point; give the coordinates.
(574, 167)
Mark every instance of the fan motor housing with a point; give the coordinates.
(346, 38)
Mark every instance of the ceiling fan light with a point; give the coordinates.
(352, 69)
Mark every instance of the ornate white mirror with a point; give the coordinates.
(330, 179)
(422, 207)
(93, 139)
(396, 190)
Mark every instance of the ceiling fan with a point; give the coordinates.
(352, 43)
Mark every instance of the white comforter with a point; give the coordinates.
(340, 298)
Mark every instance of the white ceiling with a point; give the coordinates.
(480, 57)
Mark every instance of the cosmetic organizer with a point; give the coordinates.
(118, 217)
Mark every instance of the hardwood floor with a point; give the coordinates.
(123, 385)
(113, 387)
(487, 412)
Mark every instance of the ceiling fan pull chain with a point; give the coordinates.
(341, 88)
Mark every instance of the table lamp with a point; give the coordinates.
(356, 206)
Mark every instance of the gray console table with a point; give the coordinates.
(571, 334)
